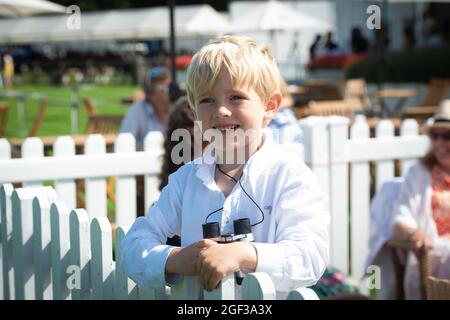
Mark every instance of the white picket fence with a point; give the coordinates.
(340, 158)
(49, 252)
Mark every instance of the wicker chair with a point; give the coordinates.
(424, 265)
(329, 108)
(437, 289)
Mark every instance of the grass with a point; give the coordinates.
(57, 117)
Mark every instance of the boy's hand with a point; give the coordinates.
(183, 261)
(217, 261)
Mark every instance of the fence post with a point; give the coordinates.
(302, 294)
(60, 250)
(96, 187)
(22, 239)
(80, 254)
(225, 291)
(125, 185)
(317, 150)
(153, 143)
(101, 260)
(258, 286)
(65, 146)
(7, 275)
(384, 168)
(409, 128)
(5, 149)
(359, 204)
(124, 288)
(41, 250)
(188, 289)
(339, 193)
(32, 148)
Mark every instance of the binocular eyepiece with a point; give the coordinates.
(242, 232)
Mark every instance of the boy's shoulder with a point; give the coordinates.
(284, 157)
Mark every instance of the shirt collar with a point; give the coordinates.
(206, 164)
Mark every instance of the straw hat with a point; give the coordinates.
(441, 118)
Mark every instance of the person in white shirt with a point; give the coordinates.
(233, 83)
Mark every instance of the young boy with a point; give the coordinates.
(233, 83)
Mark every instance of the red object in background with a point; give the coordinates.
(182, 61)
(335, 61)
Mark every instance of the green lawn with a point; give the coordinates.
(106, 99)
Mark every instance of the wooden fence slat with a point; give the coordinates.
(60, 250)
(101, 260)
(258, 286)
(66, 188)
(6, 242)
(339, 204)
(188, 289)
(125, 185)
(359, 204)
(385, 168)
(96, 187)
(32, 148)
(317, 150)
(153, 142)
(80, 255)
(5, 149)
(409, 128)
(124, 288)
(302, 294)
(41, 250)
(22, 238)
(225, 291)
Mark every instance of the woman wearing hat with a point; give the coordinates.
(422, 211)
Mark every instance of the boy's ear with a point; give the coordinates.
(273, 105)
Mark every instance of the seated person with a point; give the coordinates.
(422, 211)
(149, 114)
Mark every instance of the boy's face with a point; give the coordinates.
(231, 110)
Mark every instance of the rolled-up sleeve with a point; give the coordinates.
(299, 255)
(144, 253)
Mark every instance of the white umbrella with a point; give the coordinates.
(20, 8)
(273, 16)
(276, 16)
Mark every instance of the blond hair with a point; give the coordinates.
(248, 63)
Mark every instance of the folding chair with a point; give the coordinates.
(4, 112)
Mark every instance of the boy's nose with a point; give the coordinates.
(222, 111)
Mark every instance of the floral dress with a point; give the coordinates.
(440, 200)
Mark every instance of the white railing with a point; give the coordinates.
(342, 162)
(49, 252)
(33, 169)
(344, 158)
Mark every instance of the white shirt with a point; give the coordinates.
(292, 242)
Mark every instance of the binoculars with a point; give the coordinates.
(242, 232)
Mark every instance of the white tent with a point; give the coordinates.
(133, 24)
(274, 16)
(20, 8)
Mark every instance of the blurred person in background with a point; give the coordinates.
(8, 71)
(422, 212)
(151, 113)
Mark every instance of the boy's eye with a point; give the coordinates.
(236, 97)
(206, 100)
